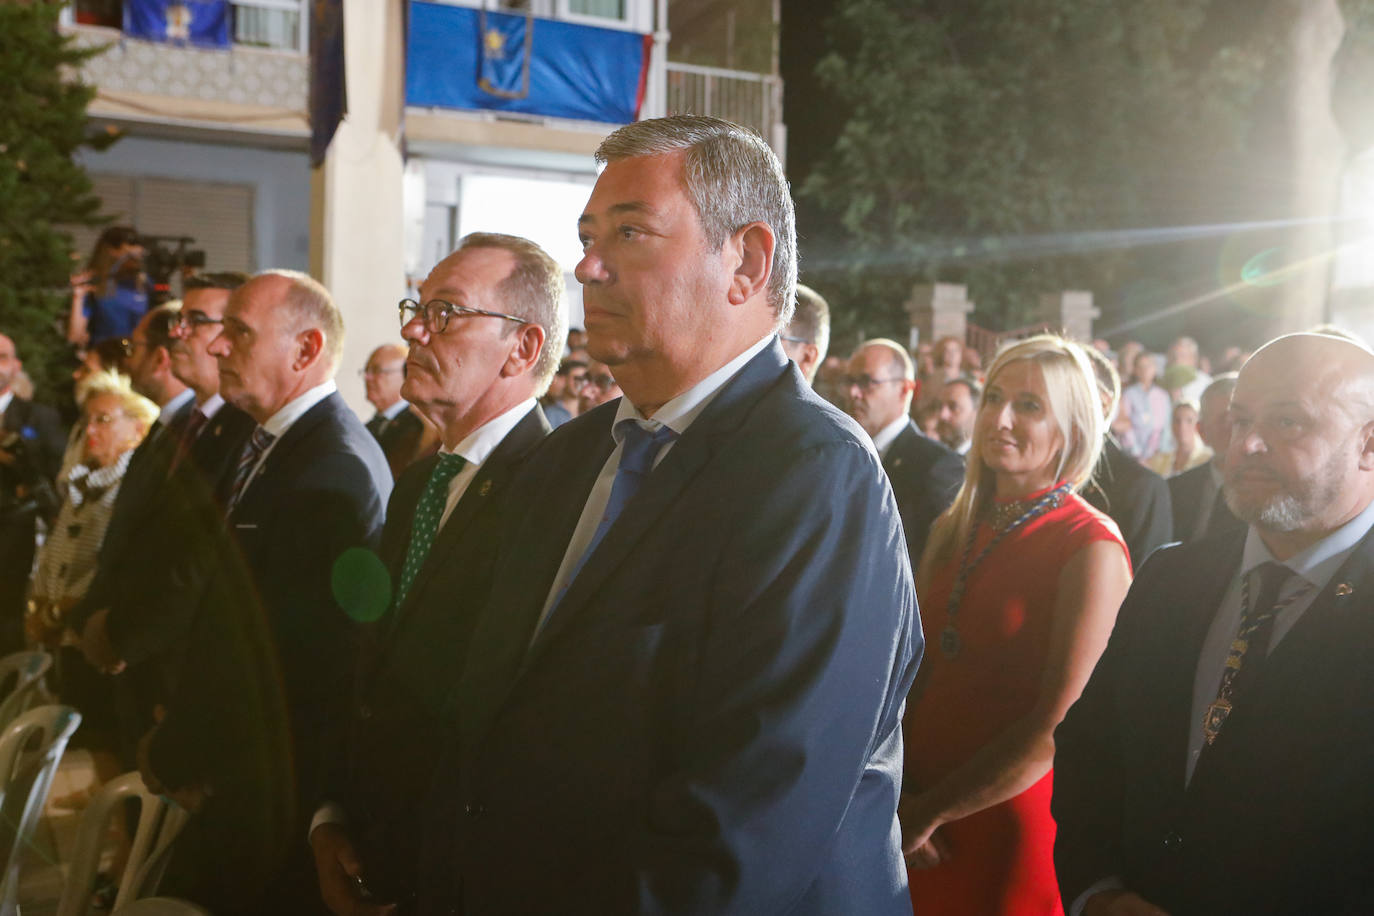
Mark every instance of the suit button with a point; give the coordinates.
(364, 711)
(1172, 841)
(472, 809)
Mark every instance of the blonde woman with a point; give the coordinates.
(1019, 585)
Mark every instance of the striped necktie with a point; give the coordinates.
(252, 453)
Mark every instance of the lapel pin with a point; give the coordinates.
(486, 488)
(1343, 590)
(896, 462)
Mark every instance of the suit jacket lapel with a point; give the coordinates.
(261, 485)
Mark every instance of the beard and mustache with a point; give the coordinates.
(1295, 504)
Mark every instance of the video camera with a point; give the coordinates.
(165, 255)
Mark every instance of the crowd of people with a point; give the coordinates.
(626, 619)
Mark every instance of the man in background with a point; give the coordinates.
(1199, 507)
(394, 426)
(807, 337)
(959, 399)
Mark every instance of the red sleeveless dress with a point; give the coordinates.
(1001, 860)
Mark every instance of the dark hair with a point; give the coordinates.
(161, 320)
(569, 365)
(222, 279)
(975, 390)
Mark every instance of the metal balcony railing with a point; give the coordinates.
(751, 99)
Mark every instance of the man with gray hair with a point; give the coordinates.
(685, 692)
(308, 491)
(807, 338)
(484, 336)
(1199, 509)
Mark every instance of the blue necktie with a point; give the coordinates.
(639, 448)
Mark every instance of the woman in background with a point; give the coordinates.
(1020, 583)
(110, 295)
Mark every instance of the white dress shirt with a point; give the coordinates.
(284, 419)
(5, 400)
(888, 434)
(678, 415)
(211, 406)
(169, 410)
(476, 448)
(394, 410)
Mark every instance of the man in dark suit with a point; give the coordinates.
(31, 445)
(476, 376)
(1219, 759)
(305, 507)
(398, 429)
(1135, 497)
(1199, 507)
(807, 338)
(925, 475)
(685, 693)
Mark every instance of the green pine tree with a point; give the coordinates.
(43, 123)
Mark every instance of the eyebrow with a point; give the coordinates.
(633, 206)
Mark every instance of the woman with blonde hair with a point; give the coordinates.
(1019, 584)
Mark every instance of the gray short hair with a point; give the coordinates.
(534, 290)
(811, 320)
(311, 305)
(733, 179)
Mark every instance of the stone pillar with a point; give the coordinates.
(357, 234)
(1071, 313)
(938, 310)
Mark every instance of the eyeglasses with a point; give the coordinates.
(104, 419)
(866, 383)
(192, 319)
(599, 381)
(795, 340)
(436, 314)
(577, 381)
(370, 372)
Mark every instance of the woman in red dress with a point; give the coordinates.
(1019, 587)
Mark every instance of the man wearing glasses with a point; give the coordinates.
(398, 431)
(684, 695)
(484, 339)
(807, 338)
(925, 475)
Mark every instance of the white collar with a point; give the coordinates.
(282, 420)
(211, 406)
(169, 410)
(889, 433)
(963, 449)
(482, 441)
(394, 410)
(681, 411)
(5, 399)
(1318, 563)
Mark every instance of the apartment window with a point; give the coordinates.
(601, 9)
(270, 24)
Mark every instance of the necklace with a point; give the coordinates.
(950, 642)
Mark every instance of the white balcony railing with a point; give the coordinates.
(751, 99)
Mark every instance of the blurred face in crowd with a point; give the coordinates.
(651, 281)
(384, 374)
(878, 391)
(202, 313)
(143, 359)
(1214, 425)
(449, 373)
(949, 355)
(1016, 433)
(9, 363)
(957, 413)
(599, 387)
(1185, 427)
(110, 431)
(1302, 417)
(257, 348)
(1145, 370)
(573, 383)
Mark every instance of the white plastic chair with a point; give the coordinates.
(28, 669)
(161, 906)
(159, 822)
(30, 748)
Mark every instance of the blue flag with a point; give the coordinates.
(204, 23)
(504, 70)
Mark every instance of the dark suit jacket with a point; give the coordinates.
(1279, 814)
(1135, 497)
(709, 721)
(400, 440)
(1187, 492)
(925, 476)
(21, 504)
(413, 657)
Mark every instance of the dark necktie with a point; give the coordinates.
(639, 448)
(188, 437)
(1251, 645)
(428, 513)
(377, 425)
(257, 444)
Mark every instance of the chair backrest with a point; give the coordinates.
(28, 669)
(159, 822)
(161, 906)
(30, 749)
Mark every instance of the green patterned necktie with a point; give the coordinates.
(426, 522)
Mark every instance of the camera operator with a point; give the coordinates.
(111, 294)
(31, 443)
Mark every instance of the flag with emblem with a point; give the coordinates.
(504, 59)
(203, 23)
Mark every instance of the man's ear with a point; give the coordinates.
(753, 245)
(529, 342)
(309, 347)
(1366, 441)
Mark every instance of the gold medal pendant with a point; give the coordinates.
(1216, 715)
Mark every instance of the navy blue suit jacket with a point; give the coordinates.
(710, 720)
(1278, 817)
(925, 477)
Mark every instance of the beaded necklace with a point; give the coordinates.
(950, 642)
